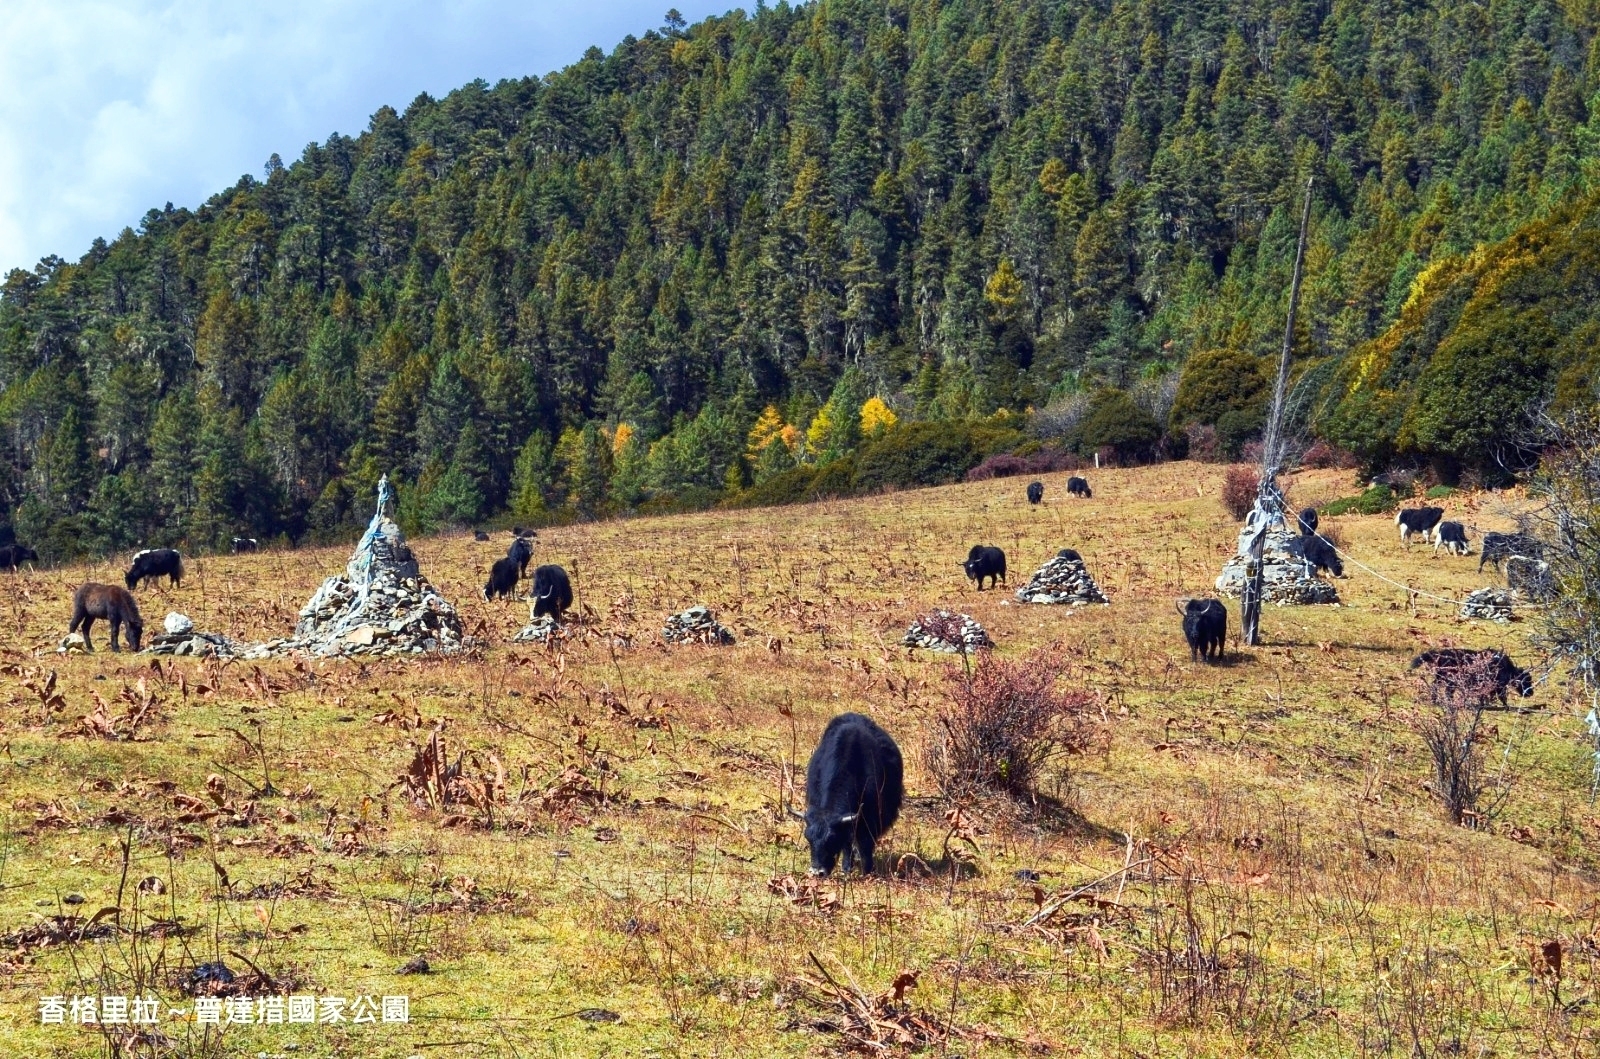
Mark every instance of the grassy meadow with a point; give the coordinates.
(1249, 864)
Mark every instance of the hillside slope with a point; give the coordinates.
(1294, 890)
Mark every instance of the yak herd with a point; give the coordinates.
(855, 777)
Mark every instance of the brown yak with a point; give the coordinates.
(111, 602)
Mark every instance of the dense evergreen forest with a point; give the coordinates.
(733, 253)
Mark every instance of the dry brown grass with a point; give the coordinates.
(1253, 867)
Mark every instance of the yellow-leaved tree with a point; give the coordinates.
(876, 417)
(769, 428)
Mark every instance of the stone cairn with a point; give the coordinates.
(1286, 578)
(179, 637)
(696, 625)
(542, 629)
(381, 605)
(946, 631)
(1487, 604)
(1064, 579)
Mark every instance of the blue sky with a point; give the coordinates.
(108, 109)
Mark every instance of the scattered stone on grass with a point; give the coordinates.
(195, 645)
(696, 625)
(542, 629)
(1488, 604)
(1286, 578)
(1063, 579)
(947, 631)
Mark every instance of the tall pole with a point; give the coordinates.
(1269, 506)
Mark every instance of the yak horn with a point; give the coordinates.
(849, 818)
(1183, 603)
(797, 815)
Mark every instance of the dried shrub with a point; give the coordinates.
(1204, 445)
(1011, 465)
(1005, 721)
(1239, 486)
(1449, 718)
(1323, 456)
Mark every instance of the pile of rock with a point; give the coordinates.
(182, 639)
(1487, 604)
(1064, 579)
(380, 605)
(696, 625)
(947, 631)
(1286, 578)
(542, 629)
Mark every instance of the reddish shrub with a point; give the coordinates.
(1250, 451)
(1203, 443)
(1322, 456)
(1005, 721)
(1239, 485)
(1005, 465)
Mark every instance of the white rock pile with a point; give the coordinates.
(1487, 604)
(542, 629)
(1286, 578)
(696, 625)
(947, 631)
(1064, 579)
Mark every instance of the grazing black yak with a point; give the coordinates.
(112, 604)
(1205, 626)
(503, 578)
(1035, 492)
(985, 561)
(153, 563)
(479, 536)
(854, 785)
(1079, 487)
(12, 556)
(245, 544)
(1498, 547)
(1490, 673)
(1320, 553)
(1308, 521)
(552, 591)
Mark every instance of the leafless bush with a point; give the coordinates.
(1004, 722)
(1449, 718)
(1322, 456)
(1203, 442)
(1156, 395)
(1006, 465)
(1060, 417)
(1239, 486)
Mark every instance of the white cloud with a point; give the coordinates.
(110, 109)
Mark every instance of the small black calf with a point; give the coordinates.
(1205, 627)
(1320, 553)
(479, 536)
(1035, 492)
(1079, 487)
(503, 578)
(1453, 535)
(985, 561)
(153, 563)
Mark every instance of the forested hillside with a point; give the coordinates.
(685, 266)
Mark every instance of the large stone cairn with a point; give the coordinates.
(1286, 577)
(1487, 604)
(1064, 579)
(696, 625)
(380, 605)
(946, 631)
